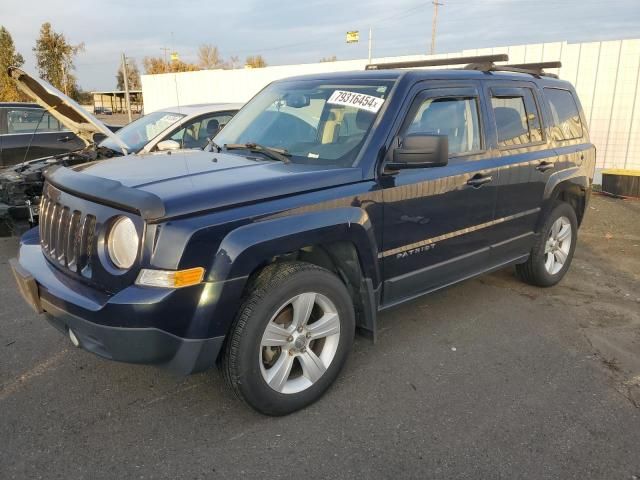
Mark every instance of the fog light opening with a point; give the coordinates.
(73, 338)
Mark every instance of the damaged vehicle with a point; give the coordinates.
(327, 199)
(181, 127)
(28, 131)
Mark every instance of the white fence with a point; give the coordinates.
(605, 74)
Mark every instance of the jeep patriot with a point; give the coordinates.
(325, 200)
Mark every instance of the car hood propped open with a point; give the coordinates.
(64, 109)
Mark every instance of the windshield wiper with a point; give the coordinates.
(279, 154)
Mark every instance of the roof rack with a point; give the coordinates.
(536, 69)
(482, 59)
(483, 63)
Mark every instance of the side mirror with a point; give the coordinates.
(168, 145)
(420, 151)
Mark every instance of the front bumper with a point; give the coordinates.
(118, 327)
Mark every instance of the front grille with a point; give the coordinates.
(67, 236)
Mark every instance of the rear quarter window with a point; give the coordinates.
(517, 117)
(566, 117)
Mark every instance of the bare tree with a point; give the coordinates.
(255, 61)
(209, 57)
(133, 76)
(154, 65)
(233, 62)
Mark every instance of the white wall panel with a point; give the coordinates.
(605, 74)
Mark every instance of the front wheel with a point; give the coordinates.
(291, 338)
(553, 251)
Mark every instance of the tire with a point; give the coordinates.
(277, 372)
(544, 267)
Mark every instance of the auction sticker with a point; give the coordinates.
(357, 100)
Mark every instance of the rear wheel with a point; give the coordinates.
(290, 339)
(553, 251)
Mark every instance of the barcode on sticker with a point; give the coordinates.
(357, 100)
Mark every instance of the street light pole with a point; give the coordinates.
(370, 43)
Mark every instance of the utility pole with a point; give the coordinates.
(165, 50)
(126, 86)
(434, 24)
(370, 43)
(64, 78)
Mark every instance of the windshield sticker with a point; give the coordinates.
(171, 118)
(357, 100)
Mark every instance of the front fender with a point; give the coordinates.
(250, 246)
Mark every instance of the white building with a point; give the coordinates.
(605, 74)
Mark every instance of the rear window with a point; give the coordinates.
(566, 118)
(517, 118)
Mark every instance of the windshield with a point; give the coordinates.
(137, 134)
(314, 121)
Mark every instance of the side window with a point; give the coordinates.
(566, 118)
(196, 134)
(455, 117)
(517, 117)
(23, 120)
(49, 124)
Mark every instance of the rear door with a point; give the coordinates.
(526, 161)
(566, 130)
(52, 138)
(33, 133)
(435, 219)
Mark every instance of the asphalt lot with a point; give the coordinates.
(487, 379)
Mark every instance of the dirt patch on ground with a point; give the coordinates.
(608, 271)
(601, 292)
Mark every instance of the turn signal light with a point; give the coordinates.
(170, 278)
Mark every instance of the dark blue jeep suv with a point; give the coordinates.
(325, 200)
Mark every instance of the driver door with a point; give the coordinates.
(436, 219)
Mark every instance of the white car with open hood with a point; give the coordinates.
(180, 127)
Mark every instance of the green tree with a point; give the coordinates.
(8, 57)
(54, 59)
(133, 76)
(255, 61)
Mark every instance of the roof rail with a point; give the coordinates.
(485, 60)
(536, 69)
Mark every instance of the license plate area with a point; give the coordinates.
(27, 285)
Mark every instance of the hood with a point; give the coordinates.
(189, 181)
(65, 110)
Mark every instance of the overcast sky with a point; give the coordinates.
(302, 31)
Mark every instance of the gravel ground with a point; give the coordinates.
(488, 379)
(117, 118)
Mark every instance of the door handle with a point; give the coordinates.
(479, 180)
(64, 139)
(544, 166)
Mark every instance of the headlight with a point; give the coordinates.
(123, 243)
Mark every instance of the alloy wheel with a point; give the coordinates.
(299, 343)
